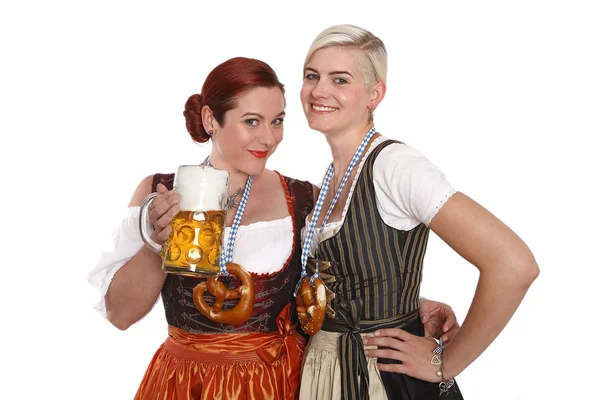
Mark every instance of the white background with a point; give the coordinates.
(504, 97)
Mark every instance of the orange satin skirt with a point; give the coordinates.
(226, 366)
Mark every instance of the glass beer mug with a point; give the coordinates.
(195, 243)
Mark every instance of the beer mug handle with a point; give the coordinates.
(146, 236)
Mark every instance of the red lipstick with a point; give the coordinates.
(259, 154)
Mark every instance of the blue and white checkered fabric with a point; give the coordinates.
(227, 252)
(321, 199)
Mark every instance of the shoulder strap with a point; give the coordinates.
(165, 179)
(379, 148)
(301, 193)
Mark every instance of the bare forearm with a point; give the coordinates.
(496, 299)
(134, 289)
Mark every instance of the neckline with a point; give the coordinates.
(327, 234)
(290, 204)
(359, 169)
(254, 224)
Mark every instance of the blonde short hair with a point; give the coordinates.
(372, 56)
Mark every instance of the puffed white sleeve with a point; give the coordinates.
(410, 190)
(126, 242)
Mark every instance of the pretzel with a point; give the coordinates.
(310, 304)
(245, 292)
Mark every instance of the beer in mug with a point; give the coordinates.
(195, 243)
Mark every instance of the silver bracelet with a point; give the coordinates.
(438, 359)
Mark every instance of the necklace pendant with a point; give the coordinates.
(232, 201)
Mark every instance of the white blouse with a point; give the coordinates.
(261, 247)
(409, 189)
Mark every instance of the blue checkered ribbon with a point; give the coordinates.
(321, 199)
(227, 251)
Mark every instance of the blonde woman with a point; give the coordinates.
(380, 199)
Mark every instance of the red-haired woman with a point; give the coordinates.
(241, 110)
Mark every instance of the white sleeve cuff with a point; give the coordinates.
(443, 201)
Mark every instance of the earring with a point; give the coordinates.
(211, 132)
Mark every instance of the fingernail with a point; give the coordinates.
(365, 341)
(444, 338)
(445, 329)
(376, 333)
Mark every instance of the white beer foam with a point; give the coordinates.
(201, 187)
